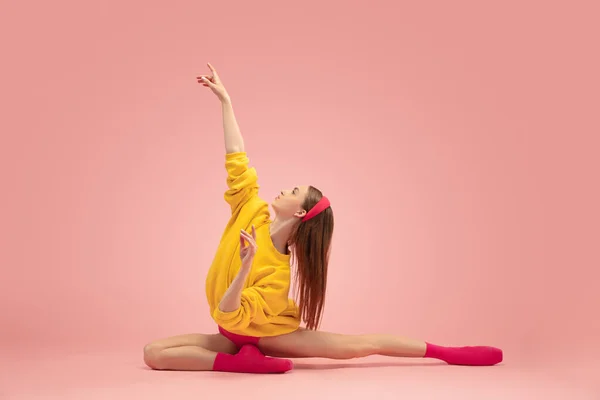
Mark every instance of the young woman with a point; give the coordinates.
(249, 295)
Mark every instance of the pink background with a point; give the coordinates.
(457, 141)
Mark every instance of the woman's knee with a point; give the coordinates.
(152, 356)
(352, 346)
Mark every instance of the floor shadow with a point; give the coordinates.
(341, 364)
(382, 364)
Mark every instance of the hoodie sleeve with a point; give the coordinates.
(242, 181)
(267, 298)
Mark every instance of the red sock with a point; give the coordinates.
(251, 360)
(470, 355)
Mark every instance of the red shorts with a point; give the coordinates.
(239, 340)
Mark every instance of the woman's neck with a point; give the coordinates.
(280, 231)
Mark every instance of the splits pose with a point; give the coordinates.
(248, 283)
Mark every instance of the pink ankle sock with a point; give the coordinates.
(470, 355)
(251, 360)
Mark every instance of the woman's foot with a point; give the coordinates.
(469, 355)
(251, 360)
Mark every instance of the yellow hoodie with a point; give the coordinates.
(265, 308)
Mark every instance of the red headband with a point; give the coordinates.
(316, 210)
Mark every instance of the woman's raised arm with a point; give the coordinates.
(234, 142)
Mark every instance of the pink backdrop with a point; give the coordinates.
(458, 143)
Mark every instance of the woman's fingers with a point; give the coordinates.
(249, 238)
(212, 69)
(207, 82)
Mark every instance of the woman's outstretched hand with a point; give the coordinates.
(214, 83)
(247, 253)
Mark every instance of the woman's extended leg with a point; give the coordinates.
(305, 343)
(191, 352)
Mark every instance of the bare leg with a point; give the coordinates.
(305, 343)
(191, 352)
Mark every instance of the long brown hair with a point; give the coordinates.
(311, 242)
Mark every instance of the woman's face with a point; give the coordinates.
(289, 202)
